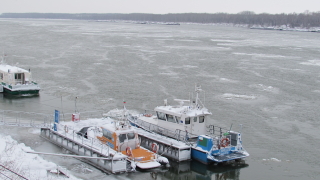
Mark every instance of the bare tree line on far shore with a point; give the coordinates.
(302, 20)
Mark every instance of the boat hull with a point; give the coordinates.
(200, 156)
(21, 92)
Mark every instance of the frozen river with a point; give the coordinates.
(268, 81)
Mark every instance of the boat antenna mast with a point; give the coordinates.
(3, 61)
(124, 112)
(198, 90)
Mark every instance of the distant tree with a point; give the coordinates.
(306, 19)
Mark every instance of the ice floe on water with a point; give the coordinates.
(189, 66)
(238, 96)
(224, 40)
(312, 63)
(272, 159)
(316, 91)
(260, 55)
(227, 80)
(263, 87)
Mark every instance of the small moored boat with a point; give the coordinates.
(187, 118)
(122, 137)
(210, 143)
(17, 81)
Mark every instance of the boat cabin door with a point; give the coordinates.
(127, 140)
(197, 125)
(19, 78)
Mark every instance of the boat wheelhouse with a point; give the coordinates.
(17, 81)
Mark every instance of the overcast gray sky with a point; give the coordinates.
(159, 6)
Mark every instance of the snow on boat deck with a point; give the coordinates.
(148, 165)
(100, 122)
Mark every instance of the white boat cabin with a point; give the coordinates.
(186, 118)
(17, 81)
(190, 117)
(14, 75)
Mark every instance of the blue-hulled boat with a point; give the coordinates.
(210, 144)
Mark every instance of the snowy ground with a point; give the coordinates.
(17, 163)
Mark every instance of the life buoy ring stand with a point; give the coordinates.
(129, 151)
(154, 147)
(224, 142)
(66, 129)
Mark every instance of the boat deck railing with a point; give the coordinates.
(178, 134)
(40, 120)
(91, 142)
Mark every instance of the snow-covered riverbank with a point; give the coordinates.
(16, 163)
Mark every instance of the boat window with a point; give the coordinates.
(122, 137)
(107, 134)
(131, 136)
(170, 118)
(1, 75)
(18, 76)
(187, 120)
(194, 119)
(178, 119)
(161, 116)
(201, 119)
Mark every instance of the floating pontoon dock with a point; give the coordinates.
(102, 158)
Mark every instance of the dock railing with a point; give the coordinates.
(25, 119)
(91, 142)
(33, 119)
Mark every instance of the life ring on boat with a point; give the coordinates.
(129, 151)
(66, 129)
(224, 142)
(148, 115)
(154, 147)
